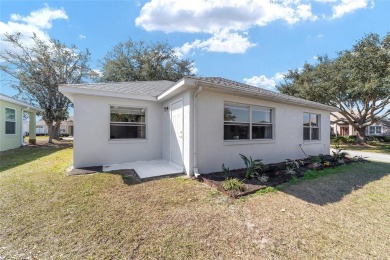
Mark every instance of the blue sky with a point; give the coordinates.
(247, 41)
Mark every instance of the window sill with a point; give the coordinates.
(312, 142)
(127, 141)
(247, 142)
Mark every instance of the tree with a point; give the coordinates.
(39, 69)
(131, 61)
(357, 82)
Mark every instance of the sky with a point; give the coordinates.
(249, 41)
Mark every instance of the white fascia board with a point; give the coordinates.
(70, 91)
(176, 88)
(25, 105)
(217, 88)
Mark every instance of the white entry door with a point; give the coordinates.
(176, 136)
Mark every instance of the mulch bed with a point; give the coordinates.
(276, 175)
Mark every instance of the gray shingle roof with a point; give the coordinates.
(256, 91)
(142, 88)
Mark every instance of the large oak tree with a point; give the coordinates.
(357, 82)
(39, 68)
(132, 60)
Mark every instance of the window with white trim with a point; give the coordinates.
(246, 122)
(375, 130)
(10, 121)
(311, 127)
(127, 122)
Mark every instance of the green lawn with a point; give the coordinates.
(377, 148)
(46, 214)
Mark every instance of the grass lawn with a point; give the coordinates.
(46, 214)
(378, 148)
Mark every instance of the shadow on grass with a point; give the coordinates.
(19, 156)
(332, 185)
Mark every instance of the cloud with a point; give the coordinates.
(223, 41)
(37, 22)
(265, 82)
(219, 18)
(82, 37)
(347, 6)
(210, 16)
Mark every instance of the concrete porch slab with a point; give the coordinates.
(147, 169)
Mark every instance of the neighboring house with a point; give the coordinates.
(198, 123)
(340, 127)
(11, 122)
(66, 127)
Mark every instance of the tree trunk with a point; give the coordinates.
(50, 131)
(361, 136)
(56, 130)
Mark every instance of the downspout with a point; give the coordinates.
(21, 127)
(196, 171)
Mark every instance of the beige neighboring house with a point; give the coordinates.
(11, 122)
(65, 128)
(343, 128)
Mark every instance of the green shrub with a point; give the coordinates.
(233, 184)
(252, 166)
(341, 139)
(225, 170)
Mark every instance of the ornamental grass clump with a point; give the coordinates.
(233, 184)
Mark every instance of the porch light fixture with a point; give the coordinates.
(166, 109)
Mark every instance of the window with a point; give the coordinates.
(10, 121)
(127, 123)
(247, 122)
(311, 127)
(375, 130)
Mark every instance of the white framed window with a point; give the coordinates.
(247, 122)
(10, 121)
(127, 122)
(311, 127)
(375, 130)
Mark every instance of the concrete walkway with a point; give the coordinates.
(147, 169)
(378, 157)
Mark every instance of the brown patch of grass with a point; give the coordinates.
(46, 214)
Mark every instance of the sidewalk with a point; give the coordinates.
(378, 157)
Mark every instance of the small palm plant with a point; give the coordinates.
(252, 166)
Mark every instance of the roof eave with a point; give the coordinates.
(69, 92)
(175, 89)
(269, 97)
(19, 103)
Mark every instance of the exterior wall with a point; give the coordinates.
(10, 141)
(92, 145)
(213, 151)
(187, 98)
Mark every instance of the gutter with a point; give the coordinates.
(200, 88)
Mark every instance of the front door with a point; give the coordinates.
(176, 136)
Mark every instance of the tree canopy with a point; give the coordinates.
(39, 69)
(137, 61)
(357, 82)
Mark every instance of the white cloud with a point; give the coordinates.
(233, 17)
(37, 22)
(226, 21)
(265, 82)
(82, 37)
(223, 41)
(211, 16)
(347, 6)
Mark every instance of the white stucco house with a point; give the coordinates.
(197, 123)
